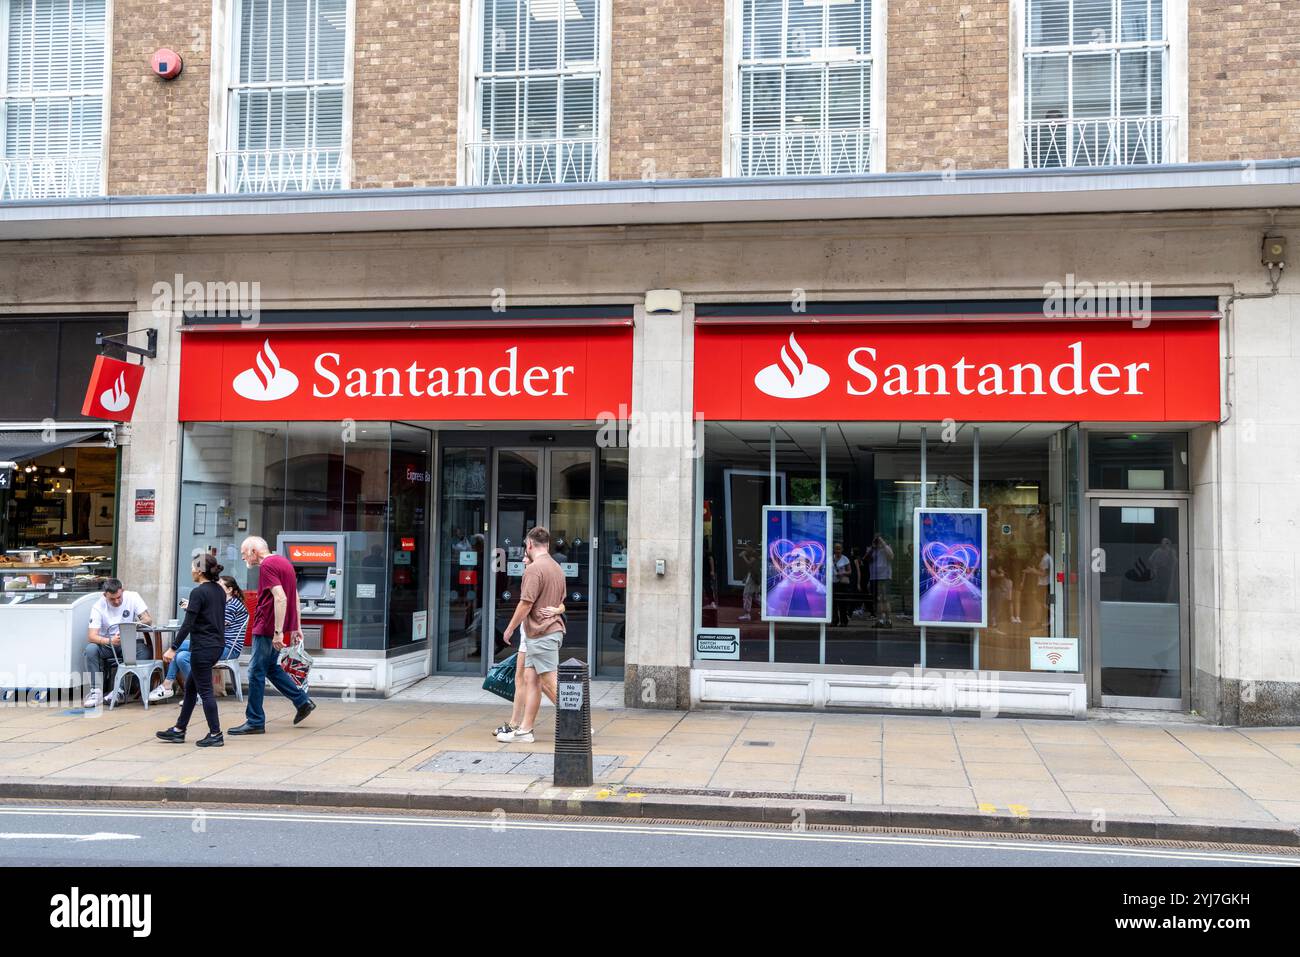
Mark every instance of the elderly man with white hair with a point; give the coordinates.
(277, 614)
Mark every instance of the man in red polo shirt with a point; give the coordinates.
(275, 616)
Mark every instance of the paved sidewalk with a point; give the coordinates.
(1025, 769)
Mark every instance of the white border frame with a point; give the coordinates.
(471, 46)
(224, 19)
(1176, 78)
(827, 514)
(916, 567)
(731, 43)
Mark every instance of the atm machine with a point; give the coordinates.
(319, 560)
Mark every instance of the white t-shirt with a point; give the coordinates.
(106, 618)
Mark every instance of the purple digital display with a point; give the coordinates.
(796, 543)
(950, 579)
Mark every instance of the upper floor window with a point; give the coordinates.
(286, 90)
(806, 86)
(1096, 84)
(537, 92)
(52, 98)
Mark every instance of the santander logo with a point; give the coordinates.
(117, 398)
(794, 377)
(267, 380)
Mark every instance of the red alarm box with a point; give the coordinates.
(468, 576)
(618, 580)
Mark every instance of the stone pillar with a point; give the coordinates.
(146, 551)
(660, 513)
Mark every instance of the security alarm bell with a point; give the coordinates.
(1274, 251)
(166, 64)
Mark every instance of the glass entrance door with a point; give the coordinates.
(569, 519)
(1140, 603)
(518, 499)
(489, 496)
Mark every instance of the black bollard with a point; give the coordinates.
(573, 725)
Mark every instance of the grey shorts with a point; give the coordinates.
(544, 653)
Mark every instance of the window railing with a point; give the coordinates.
(530, 162)
(1098, 141)
(802, 153)
(281, 171)
(51, 177)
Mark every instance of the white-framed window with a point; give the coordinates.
(1102, 83)
(809, 84)
(538, 106)
(286, 112)
(53, 92)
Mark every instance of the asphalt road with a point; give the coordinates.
(44, 835)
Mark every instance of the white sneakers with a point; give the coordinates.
(515, 735)
(97, 698)
(162, 693)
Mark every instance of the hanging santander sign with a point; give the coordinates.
(495, 374)
(1040, 372)
(114, 387)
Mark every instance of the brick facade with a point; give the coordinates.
(405, 93)
(947, 83)
(666, 100)
(158, 129)
(1243, 65)
(947, 89)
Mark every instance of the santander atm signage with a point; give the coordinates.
(1115, 372)
(497, 374)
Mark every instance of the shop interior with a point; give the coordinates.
(873, 475)
(57, 520)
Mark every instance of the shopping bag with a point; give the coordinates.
(296, 663)
(500, 679)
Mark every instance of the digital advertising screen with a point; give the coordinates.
(796, 542)
(951, 585)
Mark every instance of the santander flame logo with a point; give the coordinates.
(267, 380)
(117, 398)
(794, 377)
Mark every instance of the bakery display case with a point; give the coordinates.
(42, 637)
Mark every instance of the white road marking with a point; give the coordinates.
(666, 830)
(97, 836)
(497, 823)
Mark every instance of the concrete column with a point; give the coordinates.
(146, 551)
(660, 512)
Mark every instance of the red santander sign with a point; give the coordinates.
(458, 374)
(113, 390)
(1041, 372)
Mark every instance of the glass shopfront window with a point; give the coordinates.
(873, 476)
(368, 481)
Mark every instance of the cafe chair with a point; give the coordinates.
(127, 664)
(232, 665)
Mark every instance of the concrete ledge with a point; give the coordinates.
(584, 803)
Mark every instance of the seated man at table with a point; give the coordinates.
(115, 606)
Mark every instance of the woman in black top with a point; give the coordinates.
(205, 627)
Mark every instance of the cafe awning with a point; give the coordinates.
(23, 445)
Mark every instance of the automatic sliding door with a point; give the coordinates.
(569, 519)
(518, 475)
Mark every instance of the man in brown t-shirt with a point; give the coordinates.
(543, 587)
